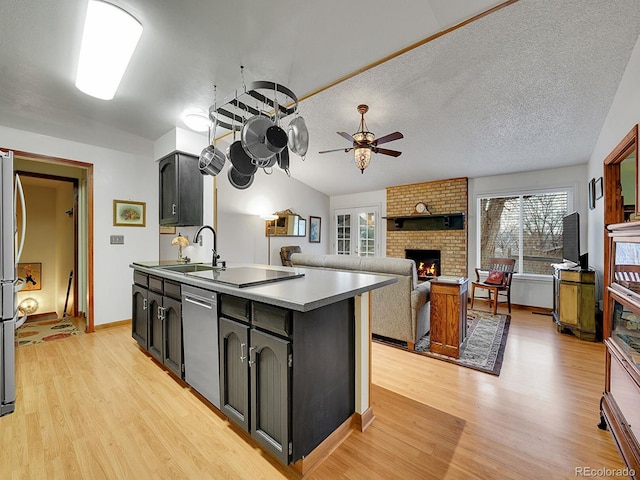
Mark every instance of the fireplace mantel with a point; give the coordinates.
(447, 221)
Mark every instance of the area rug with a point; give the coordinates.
(482, 349)
(46, 331)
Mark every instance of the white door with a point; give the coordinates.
(356, 231)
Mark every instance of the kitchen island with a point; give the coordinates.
(293, 346)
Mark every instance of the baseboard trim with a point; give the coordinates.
(365, 419)
(305, 465)
(119, 323)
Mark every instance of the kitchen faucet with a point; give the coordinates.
(214, 261)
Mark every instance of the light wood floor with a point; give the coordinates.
(94, 406)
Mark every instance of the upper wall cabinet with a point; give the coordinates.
(181, 187)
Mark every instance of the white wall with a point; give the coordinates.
(117, 175)
(529, 290)
(623, 115)
(241, 230)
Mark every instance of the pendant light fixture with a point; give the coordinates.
(109, 39)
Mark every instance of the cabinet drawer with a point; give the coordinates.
(234, 307)
(172, 289)
(140, 278)
(155, 284)
(273, 319)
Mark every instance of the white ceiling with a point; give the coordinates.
(525, 87)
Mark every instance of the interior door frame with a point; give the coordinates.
(354, 212)
(88, 167)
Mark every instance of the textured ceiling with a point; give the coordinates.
(525, 87)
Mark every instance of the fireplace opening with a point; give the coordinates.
(427, 262)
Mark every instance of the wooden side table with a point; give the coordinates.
(448, 314)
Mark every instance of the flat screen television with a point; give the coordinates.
(571, 238)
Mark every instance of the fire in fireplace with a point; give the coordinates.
(427, 262)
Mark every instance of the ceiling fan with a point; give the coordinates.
(365, 142)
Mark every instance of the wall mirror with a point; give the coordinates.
(288, 224)
(621, 181)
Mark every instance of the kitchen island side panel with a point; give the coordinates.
(323, 384)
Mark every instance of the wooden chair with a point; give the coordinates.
(504, 265)
(285, 254)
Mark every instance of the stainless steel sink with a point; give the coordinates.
(188, 267)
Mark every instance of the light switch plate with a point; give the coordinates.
(116, 240)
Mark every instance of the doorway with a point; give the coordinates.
(357, 231)
(51, 246)
(79, 275)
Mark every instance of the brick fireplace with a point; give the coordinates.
(442, 197)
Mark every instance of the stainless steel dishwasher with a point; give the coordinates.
(200, 339)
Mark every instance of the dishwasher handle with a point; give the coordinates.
(202, 304)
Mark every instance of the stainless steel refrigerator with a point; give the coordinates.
(11, 243)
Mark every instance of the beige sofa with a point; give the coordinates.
(399, 311)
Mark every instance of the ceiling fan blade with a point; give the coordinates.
(388, 138)
(337, 150)
(384, 151)
(345, 135)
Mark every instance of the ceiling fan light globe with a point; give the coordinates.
(362, 157)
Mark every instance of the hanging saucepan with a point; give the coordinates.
(211, 161)
(211, 158)
(242, 162)
(275, 139)
(254, 139)
(238, 180)
(298, 136)
(283, 160)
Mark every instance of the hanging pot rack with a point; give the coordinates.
(243, 104)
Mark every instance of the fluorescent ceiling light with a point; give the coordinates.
(196, 119)
(109, 39)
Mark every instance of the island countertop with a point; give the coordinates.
(316, 288)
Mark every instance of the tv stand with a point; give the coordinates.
(574, 304)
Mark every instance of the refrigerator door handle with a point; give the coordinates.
(20, 320)
(19, 192)
(20, 284)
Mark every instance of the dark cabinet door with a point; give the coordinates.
(173, 357)
(181, 190)
(155, 339)
(234, 371)
(168, 190)
(139, 315)
(270, 385)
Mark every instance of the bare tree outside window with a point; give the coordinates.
(527, 228)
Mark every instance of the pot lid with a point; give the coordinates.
(253, 137)
(298, 136)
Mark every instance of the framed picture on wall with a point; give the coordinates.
(314, 229)
(32, 274)
(592, 194)
(127, 213)
(599, 189)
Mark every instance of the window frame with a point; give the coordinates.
(569, 190)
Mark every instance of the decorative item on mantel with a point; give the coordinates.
(421, 209)
(180, 242)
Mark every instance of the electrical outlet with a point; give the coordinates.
(116, 240)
